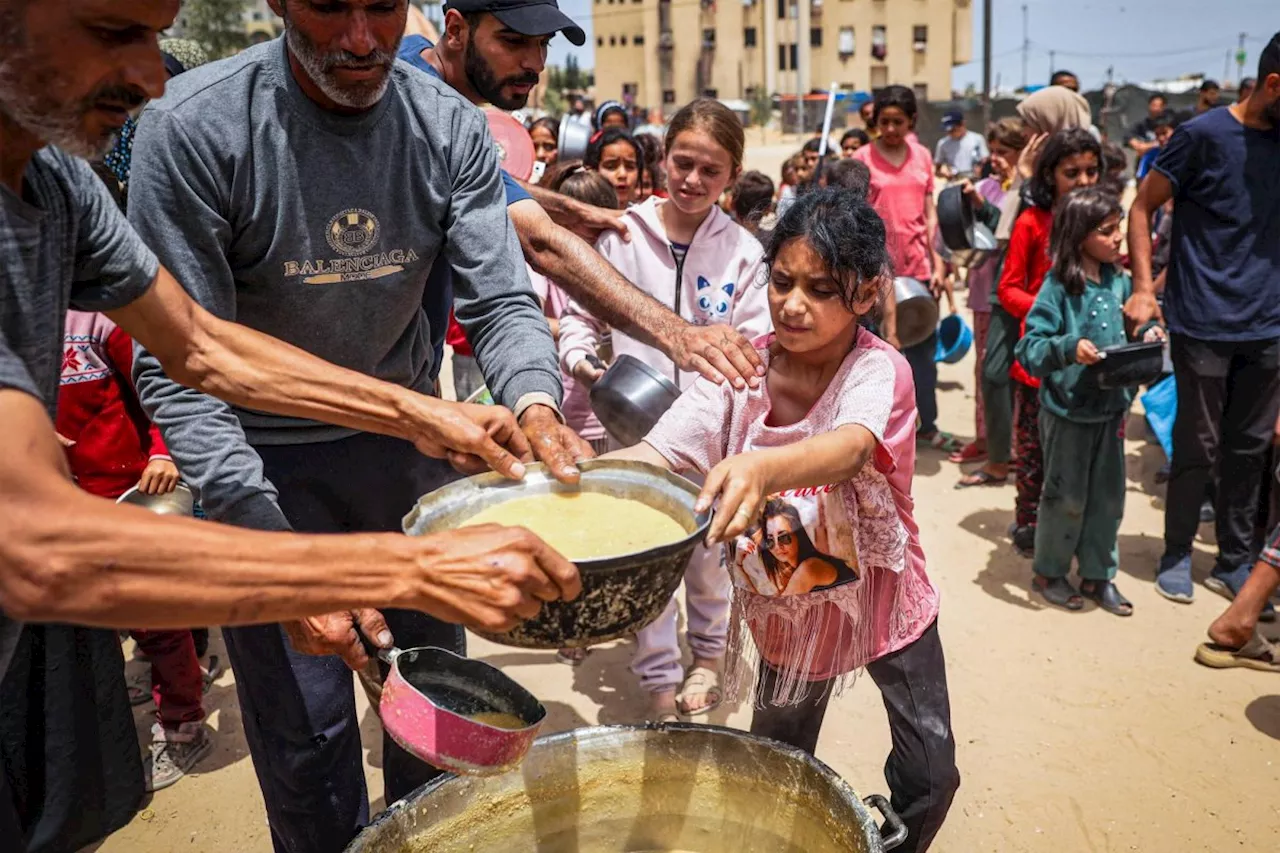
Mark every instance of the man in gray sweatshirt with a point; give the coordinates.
(305, 188)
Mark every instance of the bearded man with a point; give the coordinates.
(306, 188)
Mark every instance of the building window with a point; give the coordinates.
(921, 91)
(879, 43)
(599, 39)
(708, 37)
(668, 96)
(622, 40)
(920, 38)
(845, 43)
(637, 40)
(794, 52)
(710, 93)
(815, 37)
(782, 57)
(613, 40)
(749, 37)
(782, 9)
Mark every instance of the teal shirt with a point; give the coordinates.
(1056, 324)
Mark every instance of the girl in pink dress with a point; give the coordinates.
(812, 471)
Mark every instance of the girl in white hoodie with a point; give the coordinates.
(688, 254)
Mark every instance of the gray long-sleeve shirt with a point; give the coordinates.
(320, 229)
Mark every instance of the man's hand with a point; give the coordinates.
(594, 221)
(160, 477)
(554, 444)
(491, 578)
(335, 634)
(473, 438)
(969, 191)
(1140, 309)
(717, 353)
(742, 483)
(1087, 352)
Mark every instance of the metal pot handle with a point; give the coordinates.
(387, 656)
(894, 831)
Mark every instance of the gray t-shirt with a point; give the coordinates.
(63, 244)
(320, 229)
(963, 155)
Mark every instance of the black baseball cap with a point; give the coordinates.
(527, 17)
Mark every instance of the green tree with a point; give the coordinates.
(572, 73)
(217, 24)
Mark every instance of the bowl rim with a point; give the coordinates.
(702, 520)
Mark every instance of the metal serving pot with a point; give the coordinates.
(178, 502)
(620, 595)
(429, 704)
(917, 311)
(630, 398)
(571, 142)
(617, 789)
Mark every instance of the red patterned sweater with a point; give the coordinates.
(99, 410)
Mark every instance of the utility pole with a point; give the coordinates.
(986, 63)
(1053, 63)
(1026, 46)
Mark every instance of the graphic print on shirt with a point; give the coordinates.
(714, 303)
(796, 545)
(353, 233)
(82, 360)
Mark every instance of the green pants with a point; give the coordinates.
(997, 393)
(1083, 498)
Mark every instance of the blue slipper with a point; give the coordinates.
(1228, 584)
(1173, 578)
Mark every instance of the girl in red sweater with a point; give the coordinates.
(111, 447)
(1070, 159)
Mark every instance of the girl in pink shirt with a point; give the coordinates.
(813, 471)
(902, 193)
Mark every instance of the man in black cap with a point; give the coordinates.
(493, 51)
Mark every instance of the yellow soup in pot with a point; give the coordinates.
(586, 525)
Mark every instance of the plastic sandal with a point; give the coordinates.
(699, 681)
(981, 478)
(1059, 592)
(1107, 596)
(1257, 654)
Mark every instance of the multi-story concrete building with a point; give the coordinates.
(667, 52)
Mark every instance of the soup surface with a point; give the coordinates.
(499, 720)
(586, 525)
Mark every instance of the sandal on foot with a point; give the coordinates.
(981, 478)
(1257, 654)
(969, 453)
(1060, 592)
(700, 681)
(572, 657)
(140, 689)
(1107, 596)
(944, 441)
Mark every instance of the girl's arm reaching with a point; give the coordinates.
(639, 453)
(743, 482)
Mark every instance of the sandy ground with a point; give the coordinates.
(1076, 731)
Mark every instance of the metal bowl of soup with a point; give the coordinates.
(653, 788)
(621, 592)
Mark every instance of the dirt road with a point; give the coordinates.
(1077, 731)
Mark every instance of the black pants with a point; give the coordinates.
(921, 767)
(299, 710)
(1228, 399)
(924, 370)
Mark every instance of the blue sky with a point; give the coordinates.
(1143, 39)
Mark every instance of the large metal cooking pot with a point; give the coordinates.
(917, 311)
(630, 398)
(620, 595)
(618, 789)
